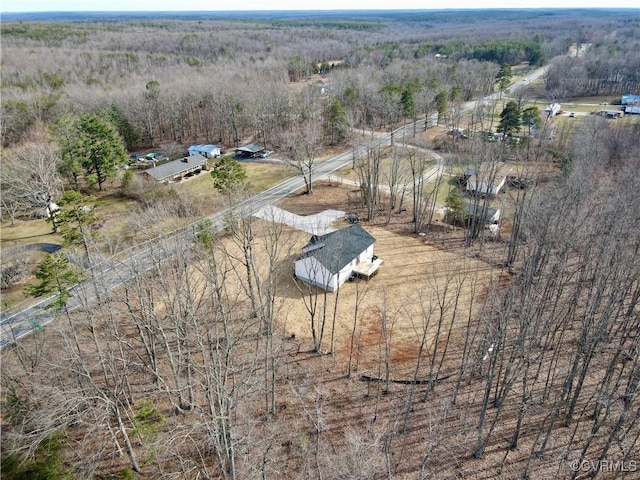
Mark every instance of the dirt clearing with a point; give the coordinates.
(419, 286)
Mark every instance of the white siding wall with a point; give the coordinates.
(484, 187)
(367, 255)
(311, 271)
(205, 153)
(343, 276)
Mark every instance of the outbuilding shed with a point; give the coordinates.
(489, 178)
(610, 113)
(329, 260)
(481, 213)
(251, 150)
(177, 169)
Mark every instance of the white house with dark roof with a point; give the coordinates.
(329, 260)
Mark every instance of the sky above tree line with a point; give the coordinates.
(219, 5)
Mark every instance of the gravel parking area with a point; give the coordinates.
(317, 224)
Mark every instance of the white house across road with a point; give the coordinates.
(207, 151)
(489, 178)
(329, 260)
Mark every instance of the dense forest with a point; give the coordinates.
(514, 355)
(221, 80)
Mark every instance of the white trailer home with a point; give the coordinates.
(207, 151)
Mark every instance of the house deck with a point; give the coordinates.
(367, 269)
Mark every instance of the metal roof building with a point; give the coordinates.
(250, 150)
(482, 213)
(178, 168)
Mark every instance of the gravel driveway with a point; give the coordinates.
(317, 224)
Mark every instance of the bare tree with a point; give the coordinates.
(396, 180)
(418, 163)
(310, 297)
(304, 137)
(369, 171)
(360, 295)
(31, 174)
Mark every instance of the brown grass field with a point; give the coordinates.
(422, 278)
(416, 271)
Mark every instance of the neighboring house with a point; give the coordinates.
(629, 99)
(631, 103)
(610, 113)
(329, 260)
(489, 178)
(207, 151)
(178, 168)
(482, 213)
(553, 109)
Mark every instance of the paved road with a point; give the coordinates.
(109, 275)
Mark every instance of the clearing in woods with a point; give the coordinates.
(418, 279)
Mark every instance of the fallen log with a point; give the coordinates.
(368, 378)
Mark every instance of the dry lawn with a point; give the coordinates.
(407, 291)
(420, 277)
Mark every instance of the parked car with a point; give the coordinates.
(265, 153)
(154, 156)
(572, 114)
(135, 157)
(519, 183)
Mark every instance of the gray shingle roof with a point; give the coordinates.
(172, 169)
(336, 249)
